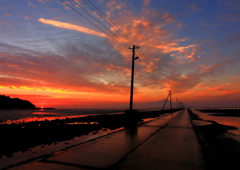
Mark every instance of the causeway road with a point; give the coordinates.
(166, 143)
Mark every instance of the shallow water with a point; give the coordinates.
(20, 116)
(224, 117)
(48, 149)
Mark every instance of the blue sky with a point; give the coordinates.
(48, 52)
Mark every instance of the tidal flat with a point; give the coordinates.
(219, 139)
(20, 138)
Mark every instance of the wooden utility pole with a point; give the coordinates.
(165, 102)
(170, 93)
(132, 77)
(177, 103)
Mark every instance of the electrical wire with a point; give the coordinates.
(99, 22)
(148, 72)
(92, 22)
(102, 15)
(147, 65)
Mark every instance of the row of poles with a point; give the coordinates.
(179, 104)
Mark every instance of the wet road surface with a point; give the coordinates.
(165, 143)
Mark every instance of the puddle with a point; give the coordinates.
(54, 147)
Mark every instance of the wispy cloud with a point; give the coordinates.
(182, 54)
(42, 1)
(70, 26)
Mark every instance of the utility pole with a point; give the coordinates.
(170, 93)
(132, 77)
(177, 103)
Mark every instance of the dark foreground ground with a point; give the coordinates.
(166, 143)
(23, 136)
(220, 151)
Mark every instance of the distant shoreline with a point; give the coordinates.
(45, 108)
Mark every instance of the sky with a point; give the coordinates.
(64, 54)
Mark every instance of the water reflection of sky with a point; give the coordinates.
(45, 113)
(54, 147)
(24, 116)
(224, 119)
(33, 119)
(15, 116)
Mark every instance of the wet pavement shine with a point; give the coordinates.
(168, 142)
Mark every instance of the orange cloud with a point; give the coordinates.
(170, 47)
(228, 88)
(206, 69)
(116, 68)
(192, 56)
(115, 4)
(70, 26)
(36, 89)
(146, 2)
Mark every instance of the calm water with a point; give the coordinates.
(229, 117)
(19, 116)
(48, 149)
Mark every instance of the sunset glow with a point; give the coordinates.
(53, 57)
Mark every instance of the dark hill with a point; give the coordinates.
(14, 103)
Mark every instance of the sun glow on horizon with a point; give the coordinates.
(53, 57)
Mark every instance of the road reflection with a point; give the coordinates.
(131, 132)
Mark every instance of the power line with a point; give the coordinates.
(148, 65)
(102, 15)
(148, 72)
(92, 22)
(99, 22)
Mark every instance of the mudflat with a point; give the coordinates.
(46, 132)
(219, 148)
